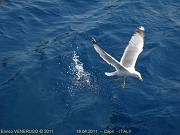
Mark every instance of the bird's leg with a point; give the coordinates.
(123, 83)
(115, 80)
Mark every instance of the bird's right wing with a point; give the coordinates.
(133, 49)
(106, 57)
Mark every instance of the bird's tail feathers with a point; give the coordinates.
(110, 74)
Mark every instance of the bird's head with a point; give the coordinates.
(138, 76)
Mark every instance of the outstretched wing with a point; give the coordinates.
(106, 57)
(133, 49)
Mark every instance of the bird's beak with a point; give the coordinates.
(140, 78)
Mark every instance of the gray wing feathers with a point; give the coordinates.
(133, 50)
(108, 58)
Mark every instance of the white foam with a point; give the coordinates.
(79, 73)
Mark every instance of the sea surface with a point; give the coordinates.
(52, 78)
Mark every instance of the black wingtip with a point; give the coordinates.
(93, 40)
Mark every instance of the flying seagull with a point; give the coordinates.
(126, 66)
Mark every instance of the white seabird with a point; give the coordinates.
(126, 66)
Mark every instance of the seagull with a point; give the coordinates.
(126, 66)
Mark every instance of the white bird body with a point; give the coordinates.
(126, 66)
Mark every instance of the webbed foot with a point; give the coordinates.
(123, 84)
(115, 81)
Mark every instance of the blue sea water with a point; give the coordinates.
(52, 78)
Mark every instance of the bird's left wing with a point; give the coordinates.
(133, 49)
(106, 57)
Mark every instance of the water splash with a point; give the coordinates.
(81, 77)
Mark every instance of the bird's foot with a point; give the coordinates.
(123, 84)
(115, 81)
